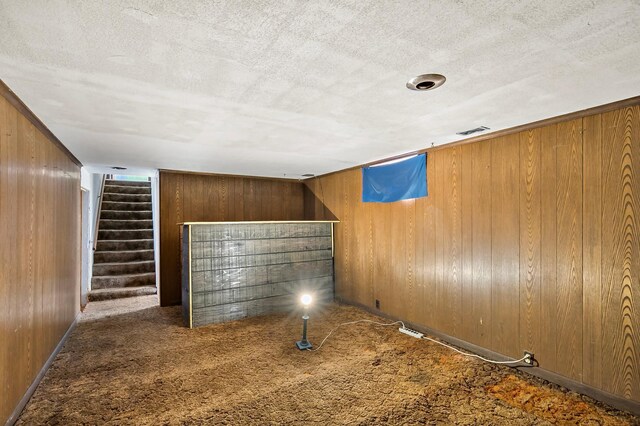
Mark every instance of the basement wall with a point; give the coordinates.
(39, 248)
(528, 241)
(192, 197)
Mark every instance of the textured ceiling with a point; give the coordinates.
(278, 88)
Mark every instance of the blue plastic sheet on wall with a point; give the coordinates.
(394, 182)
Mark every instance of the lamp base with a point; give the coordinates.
(303, 345)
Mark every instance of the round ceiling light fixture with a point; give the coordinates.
(426, 82)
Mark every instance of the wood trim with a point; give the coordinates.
(190, 281)
(186, 172)
(17, 103)
(504, 132)
(253, 222)
(597, 394)
(27, 396)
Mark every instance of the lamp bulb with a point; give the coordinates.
(306, 299)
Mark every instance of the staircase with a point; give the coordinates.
(123, 262)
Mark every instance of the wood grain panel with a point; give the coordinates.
(481, 236)
(544, 222)
(530, 240)
(505, 204)
(393, 299)
(345, 286)
(194, 192)
(621, 252)
(370, 259)
(335, 201)
(569, 248)
(418, 308)
(466, 210)
(382, 254)
(8, 273)
(439, 296)
(547, 354)
(450, 285)
(361, 249)
(186, 197)
(238, 197)
(267, 207)
(544, 225)
(547, 231)
(25, 256)
(211, 194)
(410, 258)
(170, 208)
(39, 249)
(401, 240)
(592, 251)
(426, 278)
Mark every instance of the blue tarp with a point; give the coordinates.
(394, 182)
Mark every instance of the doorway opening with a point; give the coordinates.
(124, 249)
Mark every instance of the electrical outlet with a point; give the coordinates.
(529, 358)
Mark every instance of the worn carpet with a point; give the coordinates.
(129, 362)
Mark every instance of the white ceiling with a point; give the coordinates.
(275, 88)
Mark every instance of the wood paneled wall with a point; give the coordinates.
(528, 241)
(189, 197)
(39, 249)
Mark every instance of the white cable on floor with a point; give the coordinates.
(467, 354)
(350, 323)
(473, 355)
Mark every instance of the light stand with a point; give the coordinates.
(304, 343)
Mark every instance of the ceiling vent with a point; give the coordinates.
(426, 82)
(307, 175)
(118, 168)
(472, 131)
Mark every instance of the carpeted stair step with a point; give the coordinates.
(127, 198)
(119, 293)
(124, 245)
(125, 234)
(111, 182)
(124, 256)
(111, 224)
(119, 205)
(131, 280)
(123, 268)
(124, 215)
(117, 189)
(115, 256)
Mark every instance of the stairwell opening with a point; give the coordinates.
(124, 250)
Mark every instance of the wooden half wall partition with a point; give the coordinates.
(194, 197)
(39, 250)
(527, 241)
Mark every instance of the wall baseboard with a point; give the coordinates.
(27, 396)
(597, 394)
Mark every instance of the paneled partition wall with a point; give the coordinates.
(39, 248)
(191, 197)
(529, 241)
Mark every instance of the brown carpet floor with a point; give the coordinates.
(129, 362)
